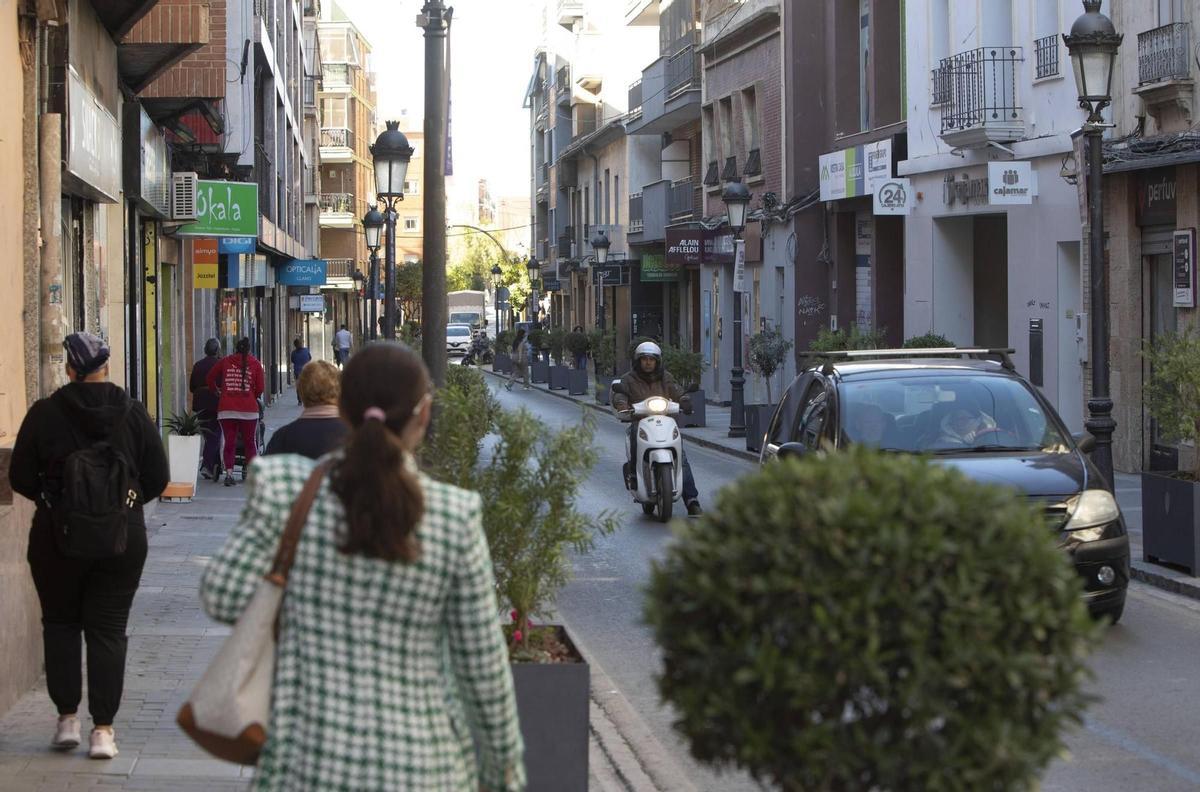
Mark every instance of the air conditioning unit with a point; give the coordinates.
(183, 195)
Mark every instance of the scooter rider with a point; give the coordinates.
(647, 378)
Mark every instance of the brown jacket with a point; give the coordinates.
(641, 386)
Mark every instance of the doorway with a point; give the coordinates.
(1070, 332)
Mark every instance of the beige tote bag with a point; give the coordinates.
(229, 709)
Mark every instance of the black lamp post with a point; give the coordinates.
(737, 204)
(392, 154)
(497, 273)
(601, 244)
(372, 223)
(360, 283)
(535, 271)
(1093, 44)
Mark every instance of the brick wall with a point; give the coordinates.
(201, 74)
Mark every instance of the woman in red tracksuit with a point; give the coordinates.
(239, 381)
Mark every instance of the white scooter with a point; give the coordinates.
(659, 466)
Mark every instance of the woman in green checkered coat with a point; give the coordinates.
(390, 652)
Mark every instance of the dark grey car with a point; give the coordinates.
(980, 417)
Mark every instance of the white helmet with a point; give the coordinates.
(647, 349)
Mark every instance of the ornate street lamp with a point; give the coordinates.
(497, 274)
(601, 244)
(535, 272)
(737, 204)
(392, 154)
(372, 224)
(1093, 44)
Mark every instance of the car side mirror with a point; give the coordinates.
(792, 451)
(1086, 442)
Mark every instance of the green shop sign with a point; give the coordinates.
(224, 209)
(655, 269)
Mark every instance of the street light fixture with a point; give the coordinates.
(535, 271)
(601, 244)
(392, 154)
(1093, 44)
(372, 223)
(497, 274)
(737, 204)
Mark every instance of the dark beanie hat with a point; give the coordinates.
(86, 353)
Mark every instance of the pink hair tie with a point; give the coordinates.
(375, 414)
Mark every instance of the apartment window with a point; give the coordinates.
(607, 196)
(1169, 11)
(334, 112)
(676, 26)
(599, 207)
(711, 155)
(412, 223)
(750, 131)
(412, 187)
(587, 208)
(725, 109)
(617, 199)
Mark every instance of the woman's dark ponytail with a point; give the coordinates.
(243, 349)
(383, 389)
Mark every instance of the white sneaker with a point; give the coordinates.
(67, 733)
(104, 744)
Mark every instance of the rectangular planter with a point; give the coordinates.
(559, 376)
(553, 701)
(699, 416)
(757, 418)
(184, 458)
(539, 373)
(1171, 521)
(577, 382)
(502, 364)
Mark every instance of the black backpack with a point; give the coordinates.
(90, 512)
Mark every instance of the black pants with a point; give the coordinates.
(90, 599)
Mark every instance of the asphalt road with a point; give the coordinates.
(1143, 734)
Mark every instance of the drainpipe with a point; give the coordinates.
(54, 327)
(31, 260)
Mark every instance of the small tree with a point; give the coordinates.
(578, 344)
(685, 366)
(1173, 390)
(530, 492)
(768, 350)
(556, 342)
(538, 339)
(929, 341)
(841, 340)
(603, 345)
(465, 412)
(888, 624)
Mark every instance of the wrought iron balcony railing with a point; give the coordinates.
(1163, 53)
(635, 97)
(340, 267)
(683, 71)
(636, 219)
(337, 203)
(1046, 49)
(682, 200)
(983, 89)
(335, 137)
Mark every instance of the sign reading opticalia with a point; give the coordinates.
(224, 209)
(856, 171)
(1185, 268)
(93, 143)
(205, 260)
(302, 272)
(1010, 183)
(739, 266)
(312, 303)
(894, 197)
(238, 244)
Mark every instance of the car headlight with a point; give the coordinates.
(656, 404)
(1092, 512)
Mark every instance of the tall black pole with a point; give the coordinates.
(1100, 423)
(435, 20)
(373, 296)
(389, 278)
(737, 381)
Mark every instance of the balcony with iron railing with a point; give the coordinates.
(337, 144)
(983, 105)
(337, 76)
(635, 99)
(683, 70)
(342, 268)
(669, 91)
(636, 217)
(682, 200)
(310, 92)
(337, 210)
(1046, 49)
(1164, 54)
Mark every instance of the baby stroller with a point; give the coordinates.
(239, 458)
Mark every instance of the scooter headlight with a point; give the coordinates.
(657, 404)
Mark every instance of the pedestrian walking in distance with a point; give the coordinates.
(204, 404)
(341, 346)
(520, 360)
(300, 358)
(389, 633)
(238, 380)
(320, 428)
(89, 457)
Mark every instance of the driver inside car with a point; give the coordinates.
(648, 378)
(962, 425)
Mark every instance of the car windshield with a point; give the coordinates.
(458, 331)
(464, 318)
(963, 413)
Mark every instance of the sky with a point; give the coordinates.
(492, 45)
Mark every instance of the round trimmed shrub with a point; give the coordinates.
(928, 341)
(885, 624)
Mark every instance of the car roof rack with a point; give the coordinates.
(1002, 355)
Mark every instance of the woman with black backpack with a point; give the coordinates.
(89, 457)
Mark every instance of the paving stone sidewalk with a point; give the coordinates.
(171, 643)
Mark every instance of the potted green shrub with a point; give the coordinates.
(867, 635)
(183, 447)
(502, 362)
(579, 345)
(530, 489)
(768, 350)
(603, 344)
(1171, 501)
(539, 367)
(929, 341)
(687, 367)
(556, 342)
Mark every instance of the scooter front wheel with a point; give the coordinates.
(664, 479)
